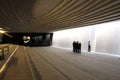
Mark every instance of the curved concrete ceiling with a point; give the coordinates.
(52, 15)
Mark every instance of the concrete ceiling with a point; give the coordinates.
(52, 15)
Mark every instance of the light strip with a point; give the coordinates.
(1, 31)
(1, 28)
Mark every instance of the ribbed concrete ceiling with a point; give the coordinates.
(51, 15)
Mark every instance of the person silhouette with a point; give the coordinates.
(79, 45)
(89, 46)
(73, 46)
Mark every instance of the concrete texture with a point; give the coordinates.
(59, 64)
(50, 63)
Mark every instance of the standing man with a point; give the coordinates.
(79, 47)
(73, 46)
(89, 46)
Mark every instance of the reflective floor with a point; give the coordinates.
(48, 63)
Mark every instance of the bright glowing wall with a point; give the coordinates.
(65, 38)
(104, 37)
(108, 37)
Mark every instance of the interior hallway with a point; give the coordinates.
(48, 63)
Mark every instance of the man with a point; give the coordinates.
(89, 46)
(79, 47)
(73, 46)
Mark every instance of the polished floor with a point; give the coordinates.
(48, 63)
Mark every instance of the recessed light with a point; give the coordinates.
(1, 31)
(1, 28)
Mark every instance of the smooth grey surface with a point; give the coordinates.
(61, 64)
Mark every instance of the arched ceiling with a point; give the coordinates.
(52, 15)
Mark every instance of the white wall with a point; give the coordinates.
(108, 37)
(104, 37)
(65, 38)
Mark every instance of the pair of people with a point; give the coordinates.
(77, 46)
